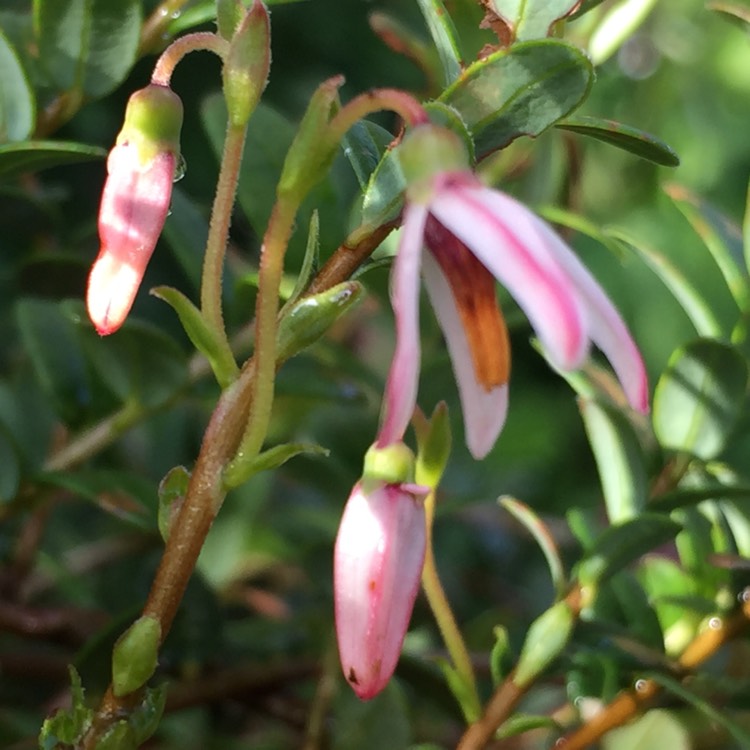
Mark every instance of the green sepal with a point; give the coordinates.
(171, 492)
(312, 152)
(144, 720)
(246, 67)
(393, 464)
(309, 318)
(428, 150)
(135, 655)
(153, 121)
(433, 446)
(119, 736)
(547, 637)
(203, 338)
(239, 470)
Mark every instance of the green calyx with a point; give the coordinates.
(428, 150)
(393, 464)
(153, 120)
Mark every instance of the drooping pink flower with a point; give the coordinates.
(463, 236)
(135, 203)
(378, 560)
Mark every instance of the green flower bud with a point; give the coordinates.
(246, 66)
(135, 655)
(393, 464)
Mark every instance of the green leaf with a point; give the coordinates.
(546, 541)
(619, 460)
(202, 336)
(67, 726)
(721, 236)
(17, 105)
(240, 470)
(620, 545)
(122, 494)
(656, 730)
(50, 342)
(735, 11)
(10, 469)
(746, 229)
(722, 718)
(522, 90)
(144, 720)
(500, 653)
(444, 36)
(365, 144)
(139, 364)
(87, 46)
(687, 496)
(31, 156)
(433, 446)
(547, 637)
(698, 398)
(521, 723)
(692, 302)
(623, 136)
(531, 19)
(620, 21)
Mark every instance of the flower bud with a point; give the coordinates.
(378, 561)
(135, 203)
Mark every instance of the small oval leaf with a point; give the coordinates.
(623, 136)
(522, 90)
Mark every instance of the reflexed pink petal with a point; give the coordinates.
(377, 568)
(484, 410)
(403, 378)
(508, 245)
(607, 329)
(134, 206)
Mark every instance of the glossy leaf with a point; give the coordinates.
(522, 90)
(31, 156)
(200, 334)
(698, 398)
(17, 105)
(623, 136)
(140, 364)
(57, 359)
(619, 460)
(365, 144)
(621, 545)
(444, 37)
(531, 19)
(87, 46)
(135, 655)
(722, 238)
(546, 541)
(689, 298)
(172, 490)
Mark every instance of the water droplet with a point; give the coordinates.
(744, 595)
(163, 12)
(176, 14)
(715, 623)
(640, 685)
(180, 169)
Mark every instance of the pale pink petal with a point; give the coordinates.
(134, 206)
(378, 560)
(606, 326)
(484, 410)
(507, 244)
(403, 378)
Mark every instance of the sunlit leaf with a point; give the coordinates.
(531, 19)
(17, 105)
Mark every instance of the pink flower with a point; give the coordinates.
(464, 235)
(135, 203)
(378, 561)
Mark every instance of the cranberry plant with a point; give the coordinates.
(374, 375)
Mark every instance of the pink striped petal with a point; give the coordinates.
(377, 568)
(509, 247)
(606, 326)
(484, 411)
(403, 378)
